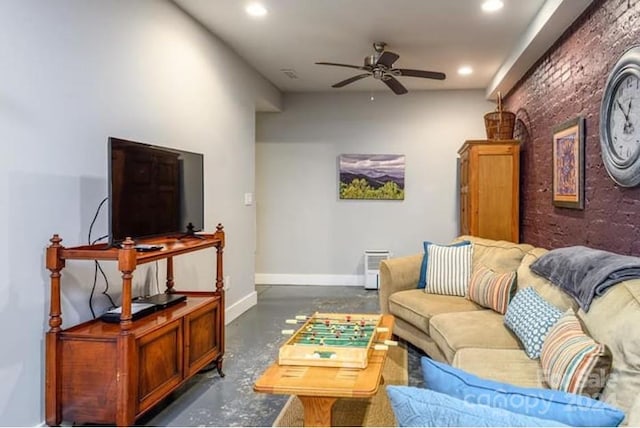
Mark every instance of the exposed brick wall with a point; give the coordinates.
(568, 81)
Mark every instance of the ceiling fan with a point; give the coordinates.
(380, 66)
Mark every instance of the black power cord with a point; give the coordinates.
(97, 266)
(94, 220)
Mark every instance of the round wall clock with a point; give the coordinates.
(620, 120)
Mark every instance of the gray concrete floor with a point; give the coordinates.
(252, 343)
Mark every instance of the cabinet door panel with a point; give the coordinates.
(159, 363)
(88, 392)
(202, 338)
(495, 196)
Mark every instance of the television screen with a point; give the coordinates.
(153, 190)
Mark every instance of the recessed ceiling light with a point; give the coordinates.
(465, 70)
(256, 9)
(492, 5)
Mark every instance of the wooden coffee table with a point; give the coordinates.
(318, 388)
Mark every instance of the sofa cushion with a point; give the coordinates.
(417, 307)
(500, 256)
(501, 365)
(417, 338)
(491, 289)
(571, 409)
(449, 269)
(478, 329)
(614, 319)
(422, 281)
(633, 415)
(572, 361)
(546, 289)
(417, 407)
(530, 317)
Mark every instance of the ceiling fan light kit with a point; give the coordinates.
(380, 66)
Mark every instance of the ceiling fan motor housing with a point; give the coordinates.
(380, 66)
(370, 60)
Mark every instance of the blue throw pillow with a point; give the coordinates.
(531, 317)
(422, 282)
(417, 407)
(570, 409)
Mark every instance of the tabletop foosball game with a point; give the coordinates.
(333, 340)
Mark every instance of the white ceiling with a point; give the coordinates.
(435, 35)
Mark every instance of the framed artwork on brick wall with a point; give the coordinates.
(568, 164)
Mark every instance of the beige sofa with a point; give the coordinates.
(459, 332)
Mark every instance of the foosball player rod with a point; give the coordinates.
(383, 346)
(304, 318)
(378, 346)
(299, 321)
(379, 330)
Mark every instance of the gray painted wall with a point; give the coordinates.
(303, 226)
(73, 73)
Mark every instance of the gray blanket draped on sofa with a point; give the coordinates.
(585, 273)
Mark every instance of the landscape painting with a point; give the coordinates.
(371, 177)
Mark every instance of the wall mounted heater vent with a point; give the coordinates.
(372, 259)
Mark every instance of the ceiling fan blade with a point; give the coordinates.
(394, 85)
(387, 59)
(421, 73)
(350, 80)
(357, 67)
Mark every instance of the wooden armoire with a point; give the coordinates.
(490, 189)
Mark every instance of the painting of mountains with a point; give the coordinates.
(371, 176)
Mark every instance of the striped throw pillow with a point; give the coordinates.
(572, 361)
(449, 269)
(491, 289)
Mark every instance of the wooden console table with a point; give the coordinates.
(104, 373)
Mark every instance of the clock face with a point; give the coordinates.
(624, 121)
(620, 120)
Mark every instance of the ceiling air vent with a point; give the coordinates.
(290, 73)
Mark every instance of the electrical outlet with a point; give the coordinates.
(227, 282)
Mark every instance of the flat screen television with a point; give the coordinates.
(153, 191)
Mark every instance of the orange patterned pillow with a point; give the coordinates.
(490, 289)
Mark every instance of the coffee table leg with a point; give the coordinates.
(317, 410)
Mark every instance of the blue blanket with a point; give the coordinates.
(585, 273)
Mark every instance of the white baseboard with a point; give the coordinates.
(240, 307)
(309, 279)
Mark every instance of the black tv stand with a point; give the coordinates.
(190, 233)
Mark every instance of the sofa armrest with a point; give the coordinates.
(397, 274)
